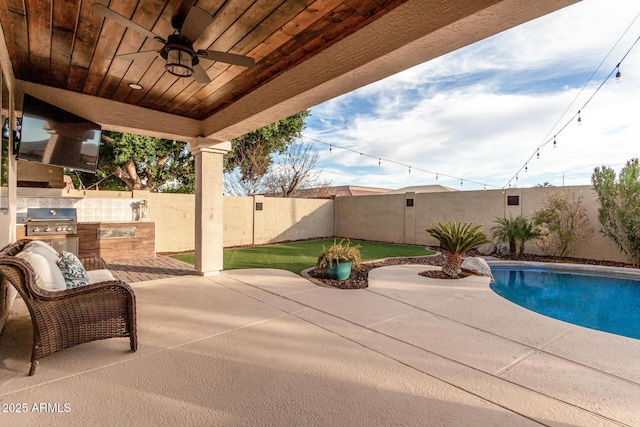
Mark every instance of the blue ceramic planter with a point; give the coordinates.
(339, 271)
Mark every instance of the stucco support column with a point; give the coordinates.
(209, 156)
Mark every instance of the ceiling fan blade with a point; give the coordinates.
(108, 13)
(195, 23)
(138, 55)
(229, 58)
(181, 14)
(200, 75)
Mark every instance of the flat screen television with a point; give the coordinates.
(53, 136)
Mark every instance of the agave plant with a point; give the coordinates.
(457, 238)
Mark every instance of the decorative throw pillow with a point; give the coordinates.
(47, 273)
(72, 270)
(41, 248)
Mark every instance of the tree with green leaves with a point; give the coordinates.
(619, 212)
(563, 223)
(515, 232)
(136, 162)
(456, 238)
(251, 155)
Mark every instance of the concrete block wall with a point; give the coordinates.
(389, 218)
(397, 218)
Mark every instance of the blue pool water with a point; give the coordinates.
(608, 304)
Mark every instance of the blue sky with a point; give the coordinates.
(481, 112)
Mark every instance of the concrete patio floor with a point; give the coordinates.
(267, 347)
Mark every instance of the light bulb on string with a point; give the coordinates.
(485, 187)
(409, 170)
(555, 144)
(330, 148)
(579, 119)
(379, 161)
(516, 178)
(436, 177)
(618, 74)
(460, 183)
(538, 154)
(526, 168)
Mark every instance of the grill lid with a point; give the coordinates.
(51, 214)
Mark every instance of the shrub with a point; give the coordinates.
(340, 252)
(456, 238)
(563, 222)
(516, 232)
(619, 212)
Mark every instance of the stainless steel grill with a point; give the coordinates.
(51, 221)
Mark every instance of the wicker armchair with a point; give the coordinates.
(74, 316)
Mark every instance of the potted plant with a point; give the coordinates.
(339, 258)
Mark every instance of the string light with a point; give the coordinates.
(409, 167)
(618, 76)
(526, 168)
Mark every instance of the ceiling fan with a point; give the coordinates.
(182, 60)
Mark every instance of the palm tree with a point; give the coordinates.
(516, 232)
(506, 231)
(528, 231)
(456, 238)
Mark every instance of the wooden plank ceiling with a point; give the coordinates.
(65, 44)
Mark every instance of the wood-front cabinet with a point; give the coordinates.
(116, 241)
(112, 241)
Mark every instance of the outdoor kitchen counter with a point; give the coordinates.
(111, 240)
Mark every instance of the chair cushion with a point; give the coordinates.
(41, 248)
(97, 276)
(47, 273)
(72, 270)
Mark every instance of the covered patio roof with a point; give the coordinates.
(306, 52)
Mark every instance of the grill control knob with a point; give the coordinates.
(46, 230)
(59, 229)
(36, 230)
(69, 229)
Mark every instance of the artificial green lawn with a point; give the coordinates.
(297, 256)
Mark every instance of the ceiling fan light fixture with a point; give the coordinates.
(179, 62)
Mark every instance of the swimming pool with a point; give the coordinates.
(606, 303)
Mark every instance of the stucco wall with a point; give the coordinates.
(238, 221)
(379, 217)
(383, 217)
(388, 218)
(279, 220)
(175, 221)
(294, 219)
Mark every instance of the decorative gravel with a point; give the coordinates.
(359, 278)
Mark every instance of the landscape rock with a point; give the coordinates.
(487, 248)
(502, 249)
(477, 266)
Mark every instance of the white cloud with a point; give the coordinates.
(480, 112)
